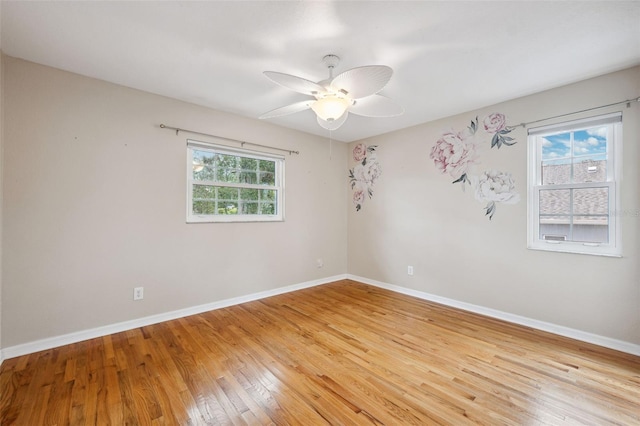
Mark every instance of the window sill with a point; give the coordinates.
(234, 219)
(575, 248)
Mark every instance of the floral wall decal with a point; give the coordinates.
(456, 153)
(365, 174)
(496, 123)
(495, 187)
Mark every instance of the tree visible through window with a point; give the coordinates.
(226, 185)
(573, 186)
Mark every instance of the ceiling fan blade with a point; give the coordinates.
(376, 106)
(297, 84)
(363, 81)
(333, 125)
(289, 109)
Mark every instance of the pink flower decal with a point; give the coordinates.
(359, 152)
(453, 153)
(495, 122)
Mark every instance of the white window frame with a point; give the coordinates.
(226, 150)
(614, 175)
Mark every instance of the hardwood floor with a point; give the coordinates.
(344, 353)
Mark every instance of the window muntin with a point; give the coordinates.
(233, 185)
(573, 184)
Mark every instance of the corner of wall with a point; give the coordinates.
(1, 192)
(1, 180)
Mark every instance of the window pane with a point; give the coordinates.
(227, 161)
(267, 166)
(225, 193)
(248, 170)
(555, 201)
(555, 228)
(227, 207)
(226, 168)
(249, 194)
(226, 175)
(267, 208)
(590, 169)
(267, 178)
(249, 208)
(250, 164)
(591, 229)
(556, 146)
(591, 201)
(268, 194)
(203, 192)
(267, 175)
(202, 164)
(248, 177)
(556, 172)
(590, 141)
(204, 207)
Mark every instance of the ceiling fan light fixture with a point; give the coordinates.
(352, 91)
(330, 108)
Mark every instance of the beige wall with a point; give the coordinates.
(417, 217)
(94, 203)
(1, 187)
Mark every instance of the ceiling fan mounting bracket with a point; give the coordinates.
(331, 61)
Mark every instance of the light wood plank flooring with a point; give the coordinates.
(344, 353)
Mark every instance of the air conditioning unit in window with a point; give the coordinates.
(554, 237)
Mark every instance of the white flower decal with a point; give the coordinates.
(495, 187)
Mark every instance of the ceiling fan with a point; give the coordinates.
(354, 91)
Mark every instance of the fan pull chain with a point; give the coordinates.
(330, 144)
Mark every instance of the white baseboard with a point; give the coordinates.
(52, 342)
(66, 339)
(583, 336)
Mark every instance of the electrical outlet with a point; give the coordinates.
(319, 262)
(138, 293)
(409, 270)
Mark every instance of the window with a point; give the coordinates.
(574, 174)
(233, 185)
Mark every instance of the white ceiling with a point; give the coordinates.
(448, 57)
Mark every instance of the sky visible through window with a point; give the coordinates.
(590, 143)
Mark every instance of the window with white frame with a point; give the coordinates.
(574, 175)
(233, 185)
